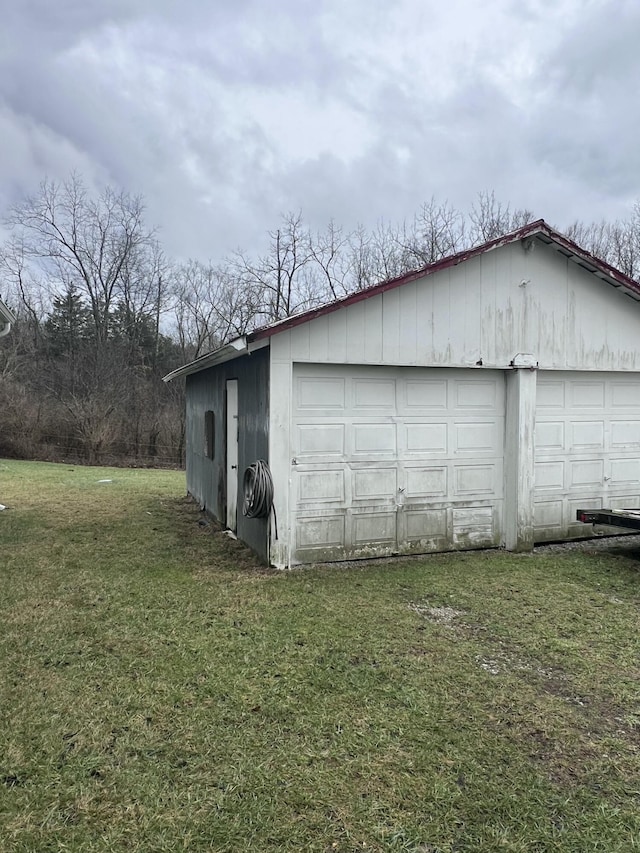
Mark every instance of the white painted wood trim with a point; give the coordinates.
(520, 458)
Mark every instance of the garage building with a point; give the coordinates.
(475, 403)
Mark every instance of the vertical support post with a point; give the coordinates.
(281, 388)
(520, 458)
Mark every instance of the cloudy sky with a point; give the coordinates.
(225, 114)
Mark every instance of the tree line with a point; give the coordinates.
(103, 313)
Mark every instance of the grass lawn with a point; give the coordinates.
(160, 691)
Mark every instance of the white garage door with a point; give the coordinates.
(587, 448)
(390, 460)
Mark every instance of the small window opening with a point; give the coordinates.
(209, 435)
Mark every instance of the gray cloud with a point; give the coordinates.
(225, 115)
(587, 124)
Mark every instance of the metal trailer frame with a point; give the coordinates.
(628, 518)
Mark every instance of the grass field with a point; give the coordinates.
(161, 691)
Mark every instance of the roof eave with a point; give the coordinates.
(596, 266)
(228, 352)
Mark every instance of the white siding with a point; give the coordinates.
(488, 308)
(480, 314)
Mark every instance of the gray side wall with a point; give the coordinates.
(206, 477)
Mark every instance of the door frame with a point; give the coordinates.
(231, 461)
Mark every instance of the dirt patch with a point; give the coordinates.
(438, 615)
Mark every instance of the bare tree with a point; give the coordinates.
(91, 244)
(23, 288)
(102, 313)
(625, 244)
(211, 305)
(92, 284)
(593, 236)
(490, 218)
(388, 252)
(329, 250)
(617, 242)
(275, 283)
(361, 263)
(438, 230)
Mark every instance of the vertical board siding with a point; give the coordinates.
(205, 391)
(373, 336)
(487, 315)
(391, 346)
(355, 335)
(318, 338)
(338, 332)
(440, 352)
(472, 306)
(408, 322)
(487, 308)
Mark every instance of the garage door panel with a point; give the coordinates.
(586, 395)
(320, 440)
(427, 438)
(624, 472)
(426, 524)
(625, 502)
(430, 396)
(593, 461)
(625, 395)
(426, 482)
(377, 394)
(477, 437)
(586, 472)
(587, 435)
(550, 436)
(473, 526)
(374, 527)
(380, 483)
(420, 455)
(320, 532)
(549, 475)
(374, 439)
(476, 480)
(321, 486)
(592, 501)
(476, 394)
(549, 514)
(320, 393)
(625, 434)
(550, 395)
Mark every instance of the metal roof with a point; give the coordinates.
(534, 231)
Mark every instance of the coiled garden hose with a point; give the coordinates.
(257, 486)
